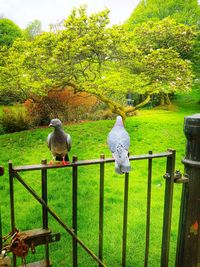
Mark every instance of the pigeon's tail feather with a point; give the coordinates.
(122, 163)
(122, 168)
(126, 168)
(118, 168)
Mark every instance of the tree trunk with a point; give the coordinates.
(162, 99)
(167, 99)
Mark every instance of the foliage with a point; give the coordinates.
(9, 97)
(158, 66)
(9, 31)
(166, 45)
(14, 120)
(186, 12)
(166, 33)
(33, 29)
(196, 59)
(88, 56)
(154, 12)
(13, 76)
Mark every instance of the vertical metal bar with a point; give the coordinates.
(44, 211)
(101, 208)
(169, 186)
(1, 242)
(148, 211)
(12, 210)
(125, 219)
(74, 208)
(44, 195)
(182, 226)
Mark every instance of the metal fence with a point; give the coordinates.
(188, 243)
(15, 173)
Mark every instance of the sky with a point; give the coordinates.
(23, 12)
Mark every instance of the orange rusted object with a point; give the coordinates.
(19, 247)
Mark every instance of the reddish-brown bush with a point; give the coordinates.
(61, 104)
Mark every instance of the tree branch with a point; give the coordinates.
(142, 104)
(114, 106)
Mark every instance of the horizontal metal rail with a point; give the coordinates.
(88, 162)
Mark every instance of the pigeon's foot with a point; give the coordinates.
(65, 162)
(51, 162)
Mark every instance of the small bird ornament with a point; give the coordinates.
(119, 142)
(59, 142)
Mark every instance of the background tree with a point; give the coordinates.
(9, 31)
(166, 39)
(33, 29)
(186, 12)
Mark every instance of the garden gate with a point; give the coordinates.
(188, 247)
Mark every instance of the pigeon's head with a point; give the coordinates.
(119, 121)
(56, 123)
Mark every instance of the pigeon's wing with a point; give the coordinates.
(49, 141)
(118, 135)
(125, 139)
(69, 142)
(112, 140)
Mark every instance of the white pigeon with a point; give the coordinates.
(119, 142)
(59, 142)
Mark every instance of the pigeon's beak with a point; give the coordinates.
(50, 125)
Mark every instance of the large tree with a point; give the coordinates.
(183, 11)
(9, 31)
(33, 29)
(160, 41)
(90, 56)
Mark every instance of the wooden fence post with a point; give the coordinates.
(188, 247)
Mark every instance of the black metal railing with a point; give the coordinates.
(14, 172)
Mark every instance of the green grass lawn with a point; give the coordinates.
(155, 130)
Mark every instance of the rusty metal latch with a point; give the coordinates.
(180, 178)
(19, 242)
(17, 245)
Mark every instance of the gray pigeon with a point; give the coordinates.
(119, 142)
(59, 142)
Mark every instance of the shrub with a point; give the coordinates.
(64, 105)
(14, 120)
(8, 97)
